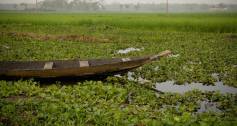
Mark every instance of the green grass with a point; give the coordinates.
(206, 44)
(173, 22)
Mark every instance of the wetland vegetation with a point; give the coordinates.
(203, 45)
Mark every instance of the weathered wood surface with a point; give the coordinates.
(64, 68)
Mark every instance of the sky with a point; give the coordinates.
(142, 1)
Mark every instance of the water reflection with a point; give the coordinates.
(208, 106)
(170, 86)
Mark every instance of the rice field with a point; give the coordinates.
(204, 51)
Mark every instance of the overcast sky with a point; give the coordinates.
(141, 1)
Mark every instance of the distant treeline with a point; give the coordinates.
(80, 5)
(98, 5)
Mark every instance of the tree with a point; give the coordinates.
(15, 6)
(127, 6)
(36, 4)
(137, 6)
(55, 4)
(25, 5)
(86, 5)
(121, 7)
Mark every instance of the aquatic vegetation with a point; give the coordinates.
(202, 44)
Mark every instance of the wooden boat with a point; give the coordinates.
(73, 68)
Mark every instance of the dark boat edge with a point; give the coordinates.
(73, 68)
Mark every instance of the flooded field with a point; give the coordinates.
(169, 86)
(196, 85)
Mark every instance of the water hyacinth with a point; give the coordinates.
(204, 54)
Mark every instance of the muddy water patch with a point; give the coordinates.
(170, 86)
(208, 106)
(139, 79)
(130, 77)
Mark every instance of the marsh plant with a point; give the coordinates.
(202, 44)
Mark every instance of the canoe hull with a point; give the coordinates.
(72, 68)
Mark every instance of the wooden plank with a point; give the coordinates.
(126, 59)
(98, 62)
(84, 63)
(48, 65)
